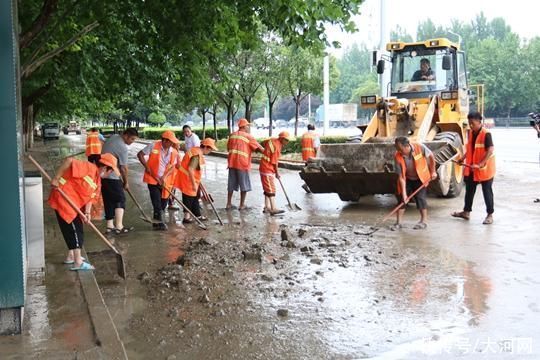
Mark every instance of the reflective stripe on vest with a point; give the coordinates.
(238, 152)
(239, 137)
(90, 182)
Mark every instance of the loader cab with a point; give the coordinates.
(439, 58)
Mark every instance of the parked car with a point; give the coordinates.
(302, 122)
(50, 131)
(263, 123)
(72, 127)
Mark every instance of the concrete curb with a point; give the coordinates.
(106, 333)
(284, 164)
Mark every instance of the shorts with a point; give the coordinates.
(268, 184)
(238, 179)
(113, 196)
(421, 196)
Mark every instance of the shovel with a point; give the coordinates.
(211, 201)
(394, 210)
(199, 222)
(143, 216)
(120, 265)
(291, 205)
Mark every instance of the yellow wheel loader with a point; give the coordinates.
(428, 102)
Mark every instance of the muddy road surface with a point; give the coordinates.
(315, 284)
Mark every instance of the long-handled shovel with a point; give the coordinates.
(211, 201)
(120, 265)
(199, 222)
(291, 205)
(143, 214)
(394, 210)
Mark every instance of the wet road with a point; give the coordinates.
(456, 289)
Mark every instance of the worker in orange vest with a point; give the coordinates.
(81, 182)
(159, 173)
(415, 166)
(189, 177)
(310, 143)
(94, 143)
(240, 146)
(479, 162)
(268, 169)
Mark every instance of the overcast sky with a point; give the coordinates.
(521, 15)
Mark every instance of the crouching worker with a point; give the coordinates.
(81, 182)
(268, 169)
(189, 177)
(159, 173)
(415, 165)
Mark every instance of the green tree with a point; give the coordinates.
(352, 67)
(303, 76)
(156, 119)
(400, 34)
(274, 83)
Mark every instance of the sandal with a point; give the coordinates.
(202, 218)
(70, 262)
(488, 220)
(461, 215)
(396, 227)
(420, 226)
(109, 231)
(187, 221)
(276, 212)
(124, 230)
(84, 266)
(536, 200)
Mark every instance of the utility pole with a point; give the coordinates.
(326, 89)
(384, 78)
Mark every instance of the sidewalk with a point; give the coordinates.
(57, 322)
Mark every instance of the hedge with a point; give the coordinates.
(155, 133)
(294, 145)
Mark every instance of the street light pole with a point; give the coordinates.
(459, 36)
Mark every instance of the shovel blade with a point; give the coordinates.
(120, 264)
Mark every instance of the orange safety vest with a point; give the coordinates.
(272, 150)
(93, 144)
(183, 181)
(153, 164)
(239, 150)
(475, 153)
(420, 163)
(81, 183)
(308, 146)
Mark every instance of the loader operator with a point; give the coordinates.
(415, 165)
(425, 72)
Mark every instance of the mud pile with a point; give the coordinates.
(237, 291)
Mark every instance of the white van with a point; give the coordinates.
(50, 131)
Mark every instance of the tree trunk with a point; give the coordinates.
(247, 113)
(28, 127)
(214, 117)
(229, 116)
(203, 123)
(296, 114)
(270, 121)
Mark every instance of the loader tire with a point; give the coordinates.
(349, 197)
(455, 184)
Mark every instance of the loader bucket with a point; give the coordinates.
(352, 170)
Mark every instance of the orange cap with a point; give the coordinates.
(285, 135)
(110, 160)
(169, 135)
(210, 143)
(243, 122)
